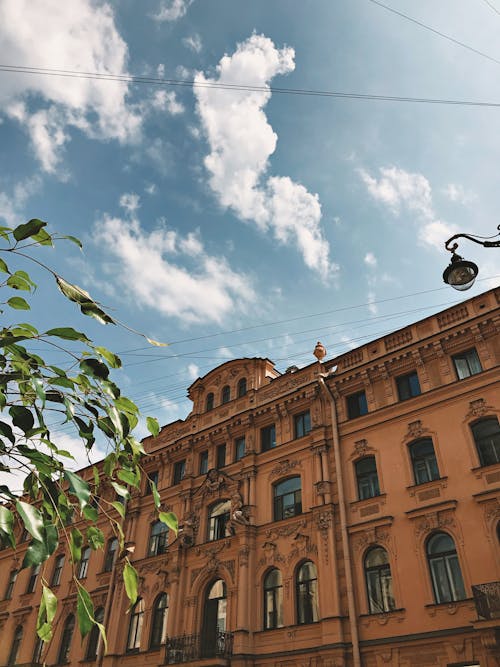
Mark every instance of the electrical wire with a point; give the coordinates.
(490, 4)
(130, 78)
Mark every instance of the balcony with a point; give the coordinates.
(189, 648)
(487, 600)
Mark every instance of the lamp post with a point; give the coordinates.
(460, 273)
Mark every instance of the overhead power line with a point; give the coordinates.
(490, 4)
(436, 32)
(130, 78)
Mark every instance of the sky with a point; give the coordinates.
(229, 219)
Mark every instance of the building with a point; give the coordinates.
(345, 514)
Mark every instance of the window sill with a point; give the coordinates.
(490, 473)
(368, 506)
(428, 490)
(450, 608)
(383, 618)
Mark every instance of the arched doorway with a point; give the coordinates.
(214, 620)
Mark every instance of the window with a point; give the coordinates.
(467, 363)
(239, 448)
(218, 518)
(408, 386)
(84, 563)
(268, 437)
(214, 619)
(209, 404)
(307, 593)
(302, 424)
(204, 462)
(221, 456)
(110, 554)
(58, 568)
(16, 643)
(287, 499)
(273, 600)
(158, 538)
(93, 642)
(24, 536)
(179, 471)
(487, 438)
(423, 460)
(367, 478)
(135, 626)
(37, 652)
(66, 638)
(153, 479)
(32, 579)
(159, 622)
(225, 394)
(242, 387)
(446, 575)
(10, 585)
(357, 405)
(378, 581)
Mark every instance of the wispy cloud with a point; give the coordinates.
(193, 42)
(172, 10)
(458, 195)
(11, 205)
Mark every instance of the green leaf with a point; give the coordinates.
(73, 292)
(170, 520)
(22, 418)
(131, 581)
(126, 405)
(153, 426)
(95, 368)
(17, 281)
(43, 238)
(6, 432)
(40, 392)
(129, 477)
(36, 554)
(32, 519)
(74, 240)
(113, 360)
(84, 611)
(18, 303)
(156, 343)
(156, 495)
(102, 630)
(75, 544)
(92, 310)
(121, 490)
(119, 508)
(6, 525)
(95, 537)
(90, 513)
(3, 266)
(78, 487)
(67, 333)
(31, 228)
(46, 614)
(51, 538)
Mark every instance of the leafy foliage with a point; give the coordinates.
(81, 394)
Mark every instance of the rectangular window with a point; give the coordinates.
(153, 477)
(408, 386)
(367, 478)
(179, 471)
(302, 424)
(204, 462)
(268, 437)
(357, 405)
(467, 363)
(221, 456)
(239, 449)
(10, 585)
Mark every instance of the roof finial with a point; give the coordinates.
(319, 351)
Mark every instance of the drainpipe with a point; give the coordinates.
(351, 603)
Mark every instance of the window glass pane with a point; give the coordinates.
(455, 577)
(203, 463)
(487, 438)
(221, 456)
(440, 580)
(239, 448)
(268, 437)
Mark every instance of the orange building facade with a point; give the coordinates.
(346, 514)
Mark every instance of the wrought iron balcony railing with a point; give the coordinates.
(196, 647)
(487, 599)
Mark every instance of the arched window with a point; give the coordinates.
(37, 651)
(58, 568)
(378, 581)
(367, 478)
(10, 584)
(423, 459)
(93, 643)
(16, 643)
(135, 626)
(67, 636)
(209, 405)
(487, 438)
(110, 554)
(35, 570)
(226, 394)
(214, 620)
(273, 600)
(307, 593)
(447, 580)
(158, 538)
(159, 623)
(218, 518)
(287, 498)
(84, 563)
(242, 387)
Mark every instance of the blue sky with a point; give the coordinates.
(206, 211)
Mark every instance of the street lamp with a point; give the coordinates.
(460, 273)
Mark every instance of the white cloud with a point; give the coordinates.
(372, 306)
(241, 143)
(171, 273)
(166, 100)
(11, 205)
(193, 42)
(151, 189)
(457, 194)
(80, 35)
(172, 10)
(370, 260)
(130, 202)
(193, 371)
